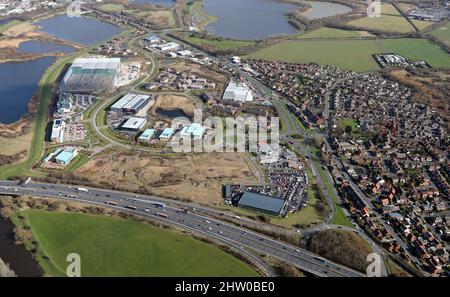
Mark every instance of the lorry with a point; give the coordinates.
(83, 190)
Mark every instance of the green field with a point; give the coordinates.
(116, 247)
(352, 123)
(353, 54)
(330, 33)
(220, 44)
(389, 21)
(443, 33)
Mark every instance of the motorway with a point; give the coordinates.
(234, 236)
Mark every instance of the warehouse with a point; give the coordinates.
(166, 134)
(66, 156)
(238, 92)
(90, 75)
(133, 124)
(262, 203)
(131, 103)
(147, 135)
(171, 46)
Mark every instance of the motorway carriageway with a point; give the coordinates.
(230, 234)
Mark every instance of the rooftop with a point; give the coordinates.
(261, 202)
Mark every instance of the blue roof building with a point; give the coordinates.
(262, 203)
(66, 156)
(194, 130)
(166, 134)
(147, 135)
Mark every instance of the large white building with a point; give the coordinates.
(58, 131)
(238, 92)
(90, 75)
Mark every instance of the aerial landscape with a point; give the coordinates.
(225, 138)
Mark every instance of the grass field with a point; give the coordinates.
(332, 33)
(163, 16)
(116, 247)
(443, 33)
(352, 123)
(390, 21)
(353, 54)
(221, 44)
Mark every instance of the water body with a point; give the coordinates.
(173, 113)
(249, 19)
(83, 30)
(39, 47)
(325, 9)
(19, 82)
(165, 3)
(19, 259)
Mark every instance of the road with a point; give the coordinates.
(227, 233)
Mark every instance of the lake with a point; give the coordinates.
(39, 47)
(83, 30)
(19, 83)
(19, 80)
(249, 19)
(325, 9)
(19, 259)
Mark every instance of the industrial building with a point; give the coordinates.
(131, 103)
(194, 130)
(62, 156)
(171, 46)
(90, 75)
(147, 135)
(262, 203)
(58, 128)
(153, 39)
(66, 156)
(238, 92)
(64, 104)
(166, 134)
(133, 124)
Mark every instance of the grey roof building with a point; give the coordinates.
(262, 203)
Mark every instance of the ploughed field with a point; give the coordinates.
(110, 246)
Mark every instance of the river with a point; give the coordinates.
(19, 259)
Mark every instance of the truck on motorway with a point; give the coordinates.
(71, 196)
(321, 260)
(158, 204)
(131, 207)
(111, 203)
(83, 190)
(162, 215)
